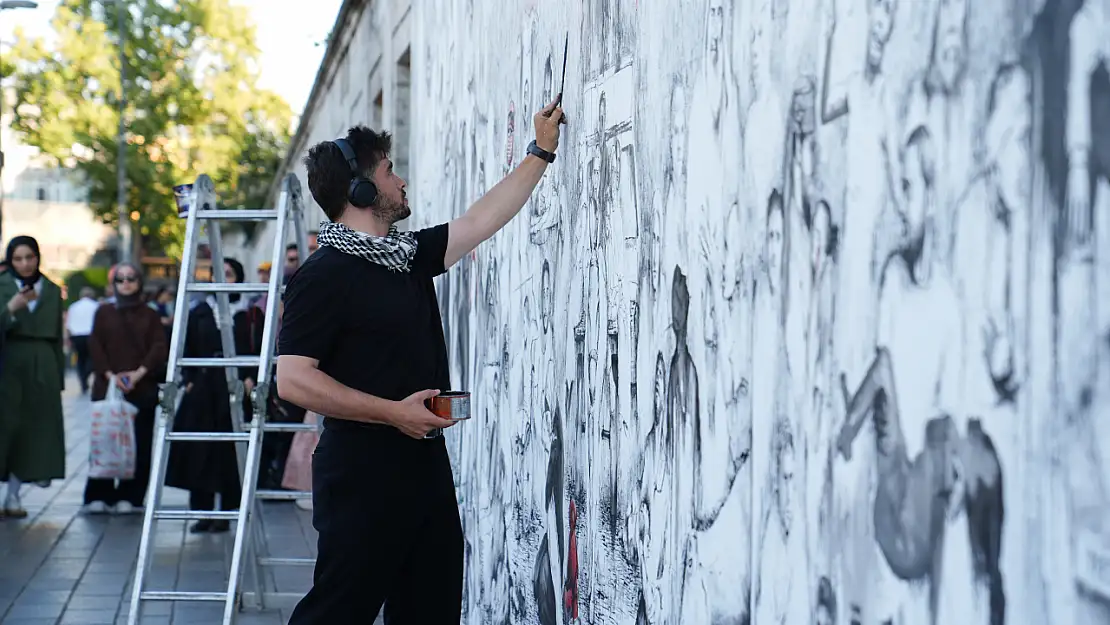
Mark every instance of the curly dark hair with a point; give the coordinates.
(329, 176)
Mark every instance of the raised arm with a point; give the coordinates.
(501, 203)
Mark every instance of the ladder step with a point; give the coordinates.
(288, 427)
(229, 287)
(227, 437)
(287, 561)
(181, 595)
(233, 361)
(249, 214)
(283, 495)
(196, 515)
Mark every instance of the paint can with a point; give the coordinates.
(453, 405)
(183, 195)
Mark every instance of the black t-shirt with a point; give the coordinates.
(372, 329)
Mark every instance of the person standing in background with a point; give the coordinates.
(79, 325)
(205, 469)
(32, 436)
(127, 342)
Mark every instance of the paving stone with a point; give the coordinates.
(88, 617)
(62, 567)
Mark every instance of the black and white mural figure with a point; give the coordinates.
(543, 214)
(807, 322)
(1070, 72)
(942, 101)
(991, 245)
(856, 87)
(551, 556)
(952, 486)
(773, 536)
(825, 611)
(655, 526)
(821, 407)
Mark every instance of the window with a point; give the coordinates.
(358, 115)
(402, 115)
(376, 113)
(343, 69)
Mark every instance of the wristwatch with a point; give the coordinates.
(536, 150)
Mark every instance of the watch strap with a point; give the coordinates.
(536, 150)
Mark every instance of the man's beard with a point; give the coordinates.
(391, 212)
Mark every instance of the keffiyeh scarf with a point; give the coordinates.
(393, 251)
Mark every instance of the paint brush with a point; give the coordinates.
(563, 80)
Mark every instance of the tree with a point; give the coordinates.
(192, 106)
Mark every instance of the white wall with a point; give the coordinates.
(691, 337)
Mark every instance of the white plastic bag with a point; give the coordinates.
(112, 443)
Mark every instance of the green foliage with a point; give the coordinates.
(96, 277)
(192, 105)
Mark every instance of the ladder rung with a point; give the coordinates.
(287, 561)
(249, 214)
(228, 287)
(181, 595)
(288, 427)
(283, 495)
(227, 437)
(196, 515)
(233, 361)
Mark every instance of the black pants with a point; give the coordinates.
(205, 500)
(389, 531)
(84, 365)
(132, 491)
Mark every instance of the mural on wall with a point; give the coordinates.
(808, 323)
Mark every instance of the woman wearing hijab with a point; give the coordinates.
(206, 469)
(32, 437)
(127, 342)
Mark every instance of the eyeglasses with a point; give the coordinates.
(122, 279)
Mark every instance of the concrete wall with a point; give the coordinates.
(808, 323)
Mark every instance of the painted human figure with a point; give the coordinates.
(655, 524)
(543, 215)
(773, 502)
(825, 611)
(671, 203)
(801, 190)
(927, 500)
(822, 391)
(1088, 157)
(941, 100)
(991, 247)
(870, 146)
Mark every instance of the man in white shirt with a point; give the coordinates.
(79, 325)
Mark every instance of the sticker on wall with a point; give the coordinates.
(509, 141)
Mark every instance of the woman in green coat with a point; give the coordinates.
(32, 438)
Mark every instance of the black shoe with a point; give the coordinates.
(220, 526)
(201, 526)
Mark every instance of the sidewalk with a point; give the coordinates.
(59, 566)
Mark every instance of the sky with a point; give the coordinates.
(290, 36)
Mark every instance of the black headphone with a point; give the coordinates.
(362, 193)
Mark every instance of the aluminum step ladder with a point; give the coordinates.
(204, 218)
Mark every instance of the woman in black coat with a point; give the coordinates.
(205, 469)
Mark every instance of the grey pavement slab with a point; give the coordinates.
(59, 566)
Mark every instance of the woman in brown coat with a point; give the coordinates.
(128, 342)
